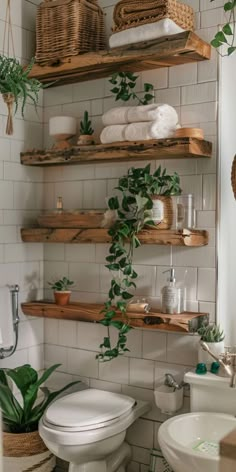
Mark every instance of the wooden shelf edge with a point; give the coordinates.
(182, 48)
(91, 312)
(171, 148)
(186, 237)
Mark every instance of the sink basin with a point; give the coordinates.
(191, 441)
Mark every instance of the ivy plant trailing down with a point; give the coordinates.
(133, 207)
(124, 85)
(226, 35)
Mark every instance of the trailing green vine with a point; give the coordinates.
(125, 83)
(134, 211)
(226, 35)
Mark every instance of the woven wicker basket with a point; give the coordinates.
(26, 452)
(164, 211)
(67, 28)
(130, 13)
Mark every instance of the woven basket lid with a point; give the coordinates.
(233, 176)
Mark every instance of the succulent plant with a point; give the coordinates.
(211, 334)
(86, 125)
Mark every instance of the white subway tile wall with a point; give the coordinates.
(24, 192)
(21, 197)
(192, 89)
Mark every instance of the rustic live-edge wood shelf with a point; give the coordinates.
(91, 312)
(185, 237)
(182, 48)
(170, 148)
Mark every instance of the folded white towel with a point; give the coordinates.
(153, 112)
(136, 132)
(165, 27)
(6, 325)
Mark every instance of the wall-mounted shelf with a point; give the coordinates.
(182, 48)
(185, 322)
(185, 237)
(172, 148)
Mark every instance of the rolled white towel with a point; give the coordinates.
(136, 132)
(147, 130)
(153, 112)
(113, 133)
(158, 29)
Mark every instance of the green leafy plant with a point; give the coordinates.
(211, 334)
(134, 211)
(15, 80)
(124, 85)
(86, 125)
(24, 418)
(61, 285)
(226, 35)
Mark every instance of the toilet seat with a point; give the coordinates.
(87, 410)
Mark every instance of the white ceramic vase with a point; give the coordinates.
(205, 358)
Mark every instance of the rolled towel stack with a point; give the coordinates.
(156, 121)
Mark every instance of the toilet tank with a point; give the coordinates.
(209, 392)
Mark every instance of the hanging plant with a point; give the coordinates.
(133, 208)
(125, 83)
(16, 87)
(226, 35)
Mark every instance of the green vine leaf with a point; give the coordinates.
(134, 211)
(125, 83)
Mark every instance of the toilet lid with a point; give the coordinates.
(87, 408)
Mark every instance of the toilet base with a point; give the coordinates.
(116, 462)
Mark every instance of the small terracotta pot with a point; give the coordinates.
(162, 211)
(62, 298)
(85, 139)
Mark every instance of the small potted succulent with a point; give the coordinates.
(214, 336)
(23, 448)
(62, 290)
(86, 131)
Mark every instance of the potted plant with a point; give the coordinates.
(138, 191)
(86, 131)
(16, 85)
(214, 336)
(226, 35)
(23, 449)
(62, 290)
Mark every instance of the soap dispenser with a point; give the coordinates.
(172, 296)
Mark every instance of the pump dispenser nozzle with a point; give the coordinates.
(172, 278)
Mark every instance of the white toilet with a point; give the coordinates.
(88, 428)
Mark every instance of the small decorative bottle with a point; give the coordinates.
(172, 296)
(59, 204)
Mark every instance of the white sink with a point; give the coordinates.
(190, 442)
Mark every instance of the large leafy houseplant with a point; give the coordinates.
(16, 86)
(24, 417)
(133, 207)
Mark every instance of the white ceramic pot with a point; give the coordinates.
(205, 358)
(62, 125)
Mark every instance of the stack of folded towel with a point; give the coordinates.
(156, 121)
(146, 20)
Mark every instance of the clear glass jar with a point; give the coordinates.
(184, 212)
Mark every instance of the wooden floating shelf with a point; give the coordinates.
(185, 237)
(171, 148)
(182, 48)
(185, 322)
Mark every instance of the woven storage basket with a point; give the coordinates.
(130, 13)
(165, 210)
(26, 452)
(67, 28)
